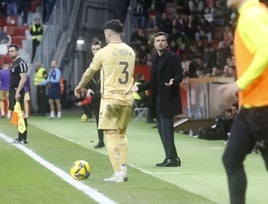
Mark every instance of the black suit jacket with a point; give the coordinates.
(169, 67)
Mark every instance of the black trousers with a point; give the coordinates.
(35, 44)
(96, 109)
(250, 127)
(166, 132)
(42, 101)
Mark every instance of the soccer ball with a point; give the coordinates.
(80, 170)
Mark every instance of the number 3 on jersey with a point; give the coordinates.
(125, 73)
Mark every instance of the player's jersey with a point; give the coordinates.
(117, 62)
(18, 66)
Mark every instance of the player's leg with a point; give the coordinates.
(109, 122)
(2, 105)
(123, 120)
(57, 96)
(52, 108)
(259, 121)
(113, 147)
(239, 145)
(58, 104)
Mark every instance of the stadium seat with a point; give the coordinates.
(17, 40)
(9, 30)
(2, 21)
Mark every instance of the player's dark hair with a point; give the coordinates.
(114, 25)
(96, 42)
(160, 33)
(15, 46)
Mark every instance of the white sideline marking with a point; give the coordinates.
(90, 192)
(155, 173)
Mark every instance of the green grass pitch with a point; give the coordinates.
(200, 180)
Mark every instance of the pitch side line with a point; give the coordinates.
(154, 173)
(90, 192)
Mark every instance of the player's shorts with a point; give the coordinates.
(3, 94)
(27, 96)
(54, 91)
(12, 100)
(113, 115)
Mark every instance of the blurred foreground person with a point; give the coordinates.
(250, 125)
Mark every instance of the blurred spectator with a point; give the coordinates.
(216, 72)
(223, 53)
(47, 9)
(217, 12)
(192, 23)
(152, 14)
(36, 31)
(204, 29)
(3, 8)
(141, 98)
(200, 72)
(25, 6)
(3, 37)
(228, 35)
(40, 76)
(12, 7)
(174, 35)
(193, 65)
(149, 59)
(180, 23)
(54, 89)
(192, 6)
(209, 57)
(4, 42)
(196, 6)
(231, 71)
(235, 109)
(138, 37)
(4, 88)
(85, 102)
(164, 24)
(140, 15)
(173, 46)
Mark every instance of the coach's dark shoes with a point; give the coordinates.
(99, 145)
(174, 162)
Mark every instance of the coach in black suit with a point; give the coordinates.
(165, 77)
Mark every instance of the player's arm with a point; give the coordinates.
(256, 68)
(23, 79)
(257, 42)
(87, 76)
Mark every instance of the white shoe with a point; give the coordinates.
(51, 116)
(59, 115)
(118, 179)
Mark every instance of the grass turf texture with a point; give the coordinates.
(201, 179)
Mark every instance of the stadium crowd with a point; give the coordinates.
(199, 31)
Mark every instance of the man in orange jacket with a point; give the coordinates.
(250, 126)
